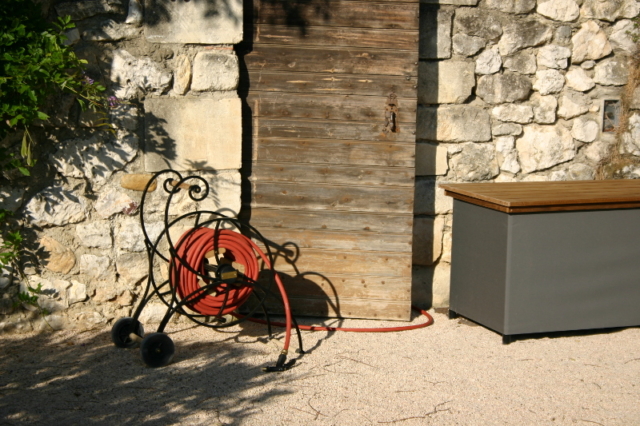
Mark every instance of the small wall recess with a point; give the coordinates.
(610, 115)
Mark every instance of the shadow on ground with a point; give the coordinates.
(75, 379)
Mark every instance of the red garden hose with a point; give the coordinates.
(226, 298)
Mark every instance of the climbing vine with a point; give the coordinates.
(36, 64)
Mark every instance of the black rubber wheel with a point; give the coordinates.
(122, 329)
(157, 349)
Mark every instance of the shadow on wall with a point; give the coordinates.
(434, 45)
(78, 163)
(88, 381)
(274, 12)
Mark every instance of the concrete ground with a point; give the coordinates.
(451, 373)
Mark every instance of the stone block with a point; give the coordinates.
(427, 239)
(94, 158)
(559, 10)
(548, 82)
(182, 75)
(489, 61)
(610, 10)
(544, 108)
(503, 88)
(56, 207)
(430, 198)
(521, 114)
(478, 23)
(55, 256)
(435, 40)
(215, 71)
(542, 147)
(512, 6)
(132, 75)
(110, 30)
(430, 285)
(475, 162)
(431, 160)
(225, 193)
(554, 56)
(453, 2)
(612, 72)
(523, 34)
(112, 202)
(132, 268)
(573, 104)
(95, 234)
(622, 36)
(76, 293)
(453, 124)
(11, 198)
(445, 82)
(521, 62)
(590, 43)
(194, 22)
(585, 129)
(192, 134)
(506, 129)
(577, 79)
(98, 267)
(467, 45)
(138, 182)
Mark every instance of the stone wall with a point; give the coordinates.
(174, 73)
(513, 90)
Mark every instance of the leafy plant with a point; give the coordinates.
(35, 65)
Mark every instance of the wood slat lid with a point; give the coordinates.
(524, 197)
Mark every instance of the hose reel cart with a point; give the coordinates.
(212, 272)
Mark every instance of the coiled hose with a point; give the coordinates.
(226, 298)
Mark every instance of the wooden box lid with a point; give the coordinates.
(527, 197)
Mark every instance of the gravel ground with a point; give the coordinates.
(451, 373)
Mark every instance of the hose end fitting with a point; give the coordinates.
(280, 364)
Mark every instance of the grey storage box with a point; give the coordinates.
(534, 257)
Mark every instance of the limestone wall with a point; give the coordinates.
(513, 90)
(174, 73)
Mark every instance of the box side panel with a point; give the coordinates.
(574, 270)
(478, 264)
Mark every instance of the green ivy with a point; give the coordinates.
(35, 65)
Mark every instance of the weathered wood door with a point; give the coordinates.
(331, 89)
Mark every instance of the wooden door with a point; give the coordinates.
(331, 90)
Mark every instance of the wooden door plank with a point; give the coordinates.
(337, 36)
(333, 60)
(347, 152)
(340, 84)
(323, 129)
(333, 107)
(336, 198)
(345, 286)
(343, 262)
(342, 241)
(330, 174)
(345, 307)
(281, 219)
(351, 14)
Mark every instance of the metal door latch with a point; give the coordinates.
(391, 114)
